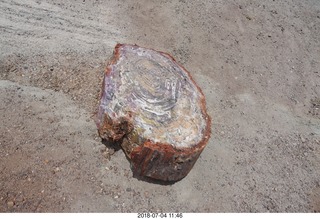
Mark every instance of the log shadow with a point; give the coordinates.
(116, 146)
(151, 180)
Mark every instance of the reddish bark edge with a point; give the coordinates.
(164, 161)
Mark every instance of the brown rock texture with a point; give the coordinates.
(151, 106)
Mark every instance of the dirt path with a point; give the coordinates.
(257, 63)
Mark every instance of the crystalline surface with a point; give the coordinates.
(164, 103)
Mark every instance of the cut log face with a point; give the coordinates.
(153, 107)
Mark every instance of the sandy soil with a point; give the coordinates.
(257, 63)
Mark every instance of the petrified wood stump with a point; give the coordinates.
(154, 109)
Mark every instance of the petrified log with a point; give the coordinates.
(154, 109)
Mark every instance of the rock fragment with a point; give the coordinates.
(152, 107)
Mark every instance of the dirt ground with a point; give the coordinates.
(258, 64)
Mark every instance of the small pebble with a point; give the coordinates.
(128, 189)
(10, 204)
(116, 197)
(111, 151)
